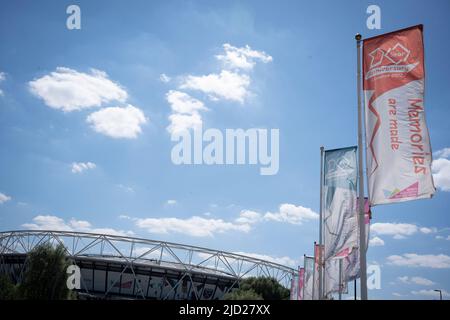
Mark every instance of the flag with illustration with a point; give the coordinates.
(339, 194)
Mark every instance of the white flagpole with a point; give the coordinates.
(320, 225)
(362, 230)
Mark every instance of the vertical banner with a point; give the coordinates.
(309, 278)
(317, 255)
(339, 194)
(294, 287)
(301, 278)
(351, 262)
(398, 145)
(331, 274)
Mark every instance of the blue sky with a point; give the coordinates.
(124, 177)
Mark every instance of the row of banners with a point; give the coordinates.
(398, 156)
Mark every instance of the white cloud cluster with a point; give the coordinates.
(181, 102)
(171, 202)
(285, 261)
(78, 167)
(242, 58)
(376, 242)
(440, 261)
(2, 78)
(249, 217)
(194, 226)
(399, 230)
(441, 169)
(164, 78)
(54, 223)
(229, 84)
(201, 227)
(443, 153)
(416, 280)
(182, 122)
(4, 198)
(292, 214)
(226, 85)
(118, 122)
(185, 112)
(70, 90)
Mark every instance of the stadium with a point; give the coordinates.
(120, 267)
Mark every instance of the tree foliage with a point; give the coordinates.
(44, 277)
(259, 288)
(8, 291)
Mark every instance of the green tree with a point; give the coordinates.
(45, 274)
(259, 288)
(8, 291)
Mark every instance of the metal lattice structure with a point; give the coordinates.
(138, 268)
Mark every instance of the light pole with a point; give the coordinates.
(440, 293)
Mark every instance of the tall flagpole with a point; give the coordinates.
(340, 279)
(362, 230)
(320, 225)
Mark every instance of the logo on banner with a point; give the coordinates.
(391, 61)
(411, 191)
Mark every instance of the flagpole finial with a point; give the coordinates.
(358, 37)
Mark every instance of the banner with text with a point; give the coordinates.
(398, 145)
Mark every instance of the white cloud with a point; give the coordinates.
(441, 173)
(396, 294)
(443, 153)
(248, 216)
(117, 122)
(242, 58)
(440, 261)
(164, 78)
(125, 188)
(4, 198)
(78, 167)
(292, 214)
(226, 85)
(185, 111)
(181, 102)
(426, 230)
(70, 90)
(201, 227)
(399, 230)
(182, 122)
(194, 226)
(431, 293)
(376, 242)
(416, 280)
(285, 261)
(2, 78)
(54, 223)
(171, 202)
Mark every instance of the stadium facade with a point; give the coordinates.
(119, 267)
